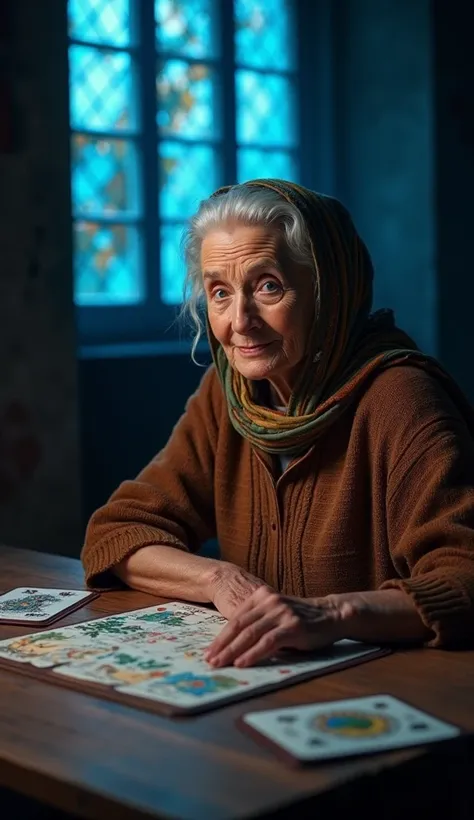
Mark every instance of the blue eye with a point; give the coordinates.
(273, 286)
(218, 294)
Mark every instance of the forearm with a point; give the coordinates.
(380, 616)
(169, 573)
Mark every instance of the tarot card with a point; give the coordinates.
(188, 686)
(174, 627)
(40, 606)
(178, 615)
(190, 644)
(315, 732)
(47, 649)
(157, 654)
(123, 667)
(166, 665)
(177, 618)
(177, 624)
(190, 683)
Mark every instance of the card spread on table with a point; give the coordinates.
(344, 728)
(39, 605)
(156, 654)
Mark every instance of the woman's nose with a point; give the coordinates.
(244, 315)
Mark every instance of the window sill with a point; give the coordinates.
(140, 350)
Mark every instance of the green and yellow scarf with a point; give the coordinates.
(348, 346)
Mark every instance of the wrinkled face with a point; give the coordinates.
(260, 304)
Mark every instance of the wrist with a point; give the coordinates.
(387, 616)
(352, 613)
(343, 612)
(214, 576)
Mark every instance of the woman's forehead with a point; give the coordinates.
(230, 243)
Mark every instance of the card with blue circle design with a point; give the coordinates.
(321, 731)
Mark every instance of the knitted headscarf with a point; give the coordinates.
(347, 345)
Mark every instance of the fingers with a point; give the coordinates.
(243, 617)
(268, 622)
(256, 632)
(247, 637)
(266, 647)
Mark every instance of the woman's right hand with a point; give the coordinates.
(229, 586)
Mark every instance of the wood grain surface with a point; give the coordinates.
(98, 759)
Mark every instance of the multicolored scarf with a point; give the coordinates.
(348, 346)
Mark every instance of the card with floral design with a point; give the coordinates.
(40, 606)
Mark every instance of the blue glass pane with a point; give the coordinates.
(185, 105)
(264, 34)
(104, 174)
(255, 163)
(186, 27)
(100, 21)
(107, 269)
(188, 174)
(101, 90)
(173, 269)
(265, 109)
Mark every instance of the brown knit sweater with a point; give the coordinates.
(386, 499)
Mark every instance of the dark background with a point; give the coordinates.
(387, 88)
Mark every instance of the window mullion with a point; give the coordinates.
(227, 92)
(146, 92)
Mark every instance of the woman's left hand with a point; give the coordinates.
(268, 622)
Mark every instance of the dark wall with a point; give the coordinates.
(454, 191)
(40, 504)
(387, 164)
(403, 125)
(403, 162)
(128, 409)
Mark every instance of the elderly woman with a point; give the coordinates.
(331, 459)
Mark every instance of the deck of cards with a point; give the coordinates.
(343, 728)
(38, 606)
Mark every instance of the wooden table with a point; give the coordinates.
(98, 759)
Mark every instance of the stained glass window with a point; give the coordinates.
(265, 113)
(117, 129)
(104, 22)
(106, 261)
(275, 164)
(186, 100)
(172, 263)
(188, 124)
(101, 89)
(264, 34)
(104, 156)
(188, 174)
(186, 28)
(265, 82)
(103, 176)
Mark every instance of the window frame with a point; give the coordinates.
(152, 323)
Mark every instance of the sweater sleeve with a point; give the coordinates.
(430, 510)
(171, 501)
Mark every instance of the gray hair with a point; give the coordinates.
(246, 205)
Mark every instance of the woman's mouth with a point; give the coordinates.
(253, 350)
